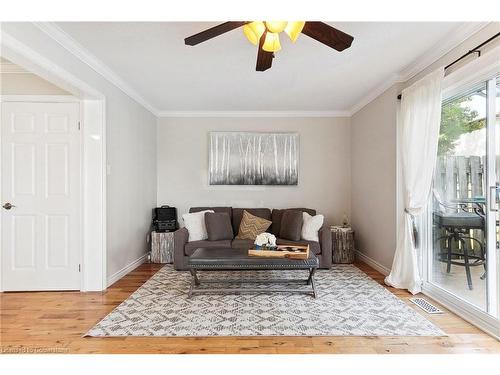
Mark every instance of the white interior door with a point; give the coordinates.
(40, 196)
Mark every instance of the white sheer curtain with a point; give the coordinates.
(420, 117)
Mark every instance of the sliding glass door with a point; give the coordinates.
(459, 226)
(463, 220)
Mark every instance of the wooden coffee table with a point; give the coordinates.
(226, 259)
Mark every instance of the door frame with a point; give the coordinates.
(93, 154)
(481, 69)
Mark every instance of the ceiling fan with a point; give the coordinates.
(265, 34)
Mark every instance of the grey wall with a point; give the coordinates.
(131, 189)
(130, 151)
(324, 165)
(373, 166)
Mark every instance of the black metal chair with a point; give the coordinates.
(457, 220)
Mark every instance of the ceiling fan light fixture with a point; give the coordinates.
(272, 42)
(254, 30)
(276, 26)
(294, 28)
(265, 34)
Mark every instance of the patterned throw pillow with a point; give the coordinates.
(251, 226)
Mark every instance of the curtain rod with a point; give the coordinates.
(474, 50)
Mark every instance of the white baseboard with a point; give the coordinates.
(125, 270)
(373, 263)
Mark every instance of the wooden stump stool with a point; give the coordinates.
(342, 244)
(162, 247)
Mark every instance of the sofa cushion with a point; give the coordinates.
(291, 225)
(227, 210)
(218, 226)
(278, 213)
(242, 244)
(190, 247)
(313, 245)
(251, 226)
(311, 226)
(195, 224)
(264, 213)
(276, 216)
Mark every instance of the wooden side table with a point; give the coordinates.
(342, 244)
(162, 247)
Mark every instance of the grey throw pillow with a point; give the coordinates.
(291, 225)
(276, 216)
(218, 226)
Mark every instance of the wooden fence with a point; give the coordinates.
(458, 177)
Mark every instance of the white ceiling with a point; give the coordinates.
(219, 75)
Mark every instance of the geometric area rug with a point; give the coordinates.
(348, 303)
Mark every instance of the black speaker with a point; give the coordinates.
(165, 219)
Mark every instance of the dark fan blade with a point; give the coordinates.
(213, 32)
(327, 35)
(264, 58)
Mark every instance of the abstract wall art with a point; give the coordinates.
(251, 158)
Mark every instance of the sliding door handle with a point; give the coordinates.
(493, 198)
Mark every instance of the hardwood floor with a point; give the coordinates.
(54, 322)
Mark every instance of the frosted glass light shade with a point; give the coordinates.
(254, 30)
(294, 28)
(272, 42)
(276, 26)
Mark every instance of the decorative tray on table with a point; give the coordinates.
(282, 251)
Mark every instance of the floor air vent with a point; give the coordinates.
(426, 306)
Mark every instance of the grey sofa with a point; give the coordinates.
(183, 248)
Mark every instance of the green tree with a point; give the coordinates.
(457, 118)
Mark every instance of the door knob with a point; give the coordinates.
(8, 206)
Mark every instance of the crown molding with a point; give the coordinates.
(40, 65)
(375, 93)
(441, 48)
(72, 46)
(253, 114)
